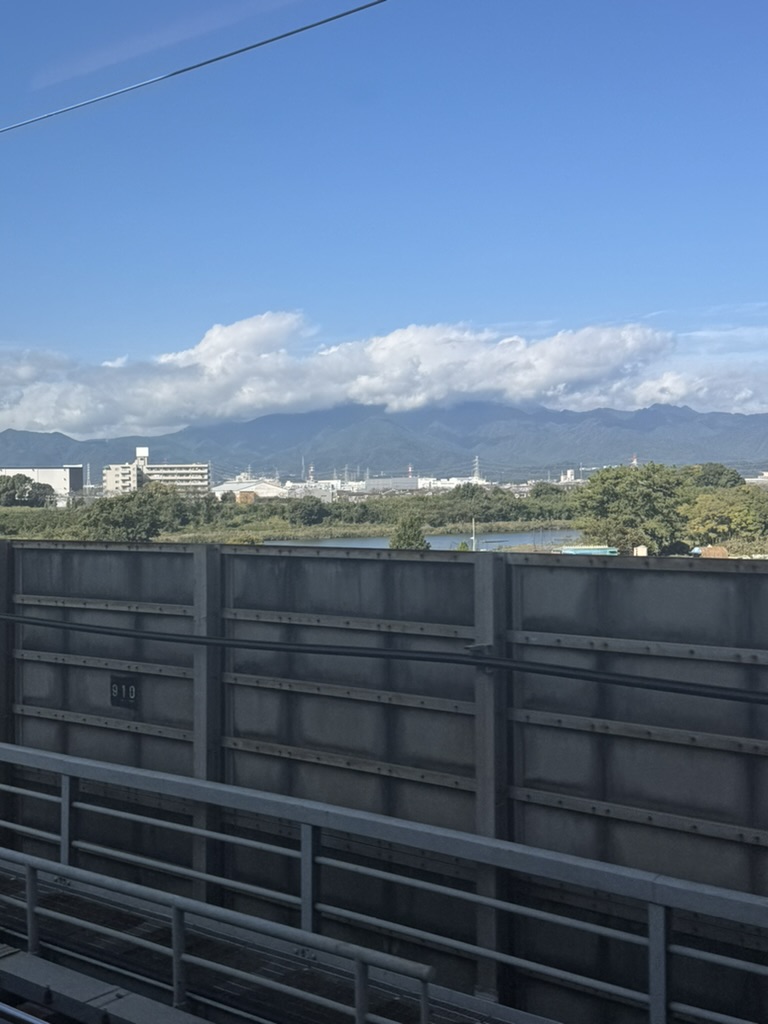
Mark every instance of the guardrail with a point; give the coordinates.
(646, 927)
(178, 909)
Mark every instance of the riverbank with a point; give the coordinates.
(345, 534)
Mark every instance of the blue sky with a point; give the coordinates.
(533, 200)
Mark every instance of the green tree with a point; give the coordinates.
(715, 474)
(719, 515)
(547, 501)
(138, 516)
(543, 489)
(408, 534)
(20, 489)
(308, 511)
(626, 506)
(39, 496)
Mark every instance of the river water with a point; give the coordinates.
(543, 539)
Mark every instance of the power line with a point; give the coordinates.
(192, 67)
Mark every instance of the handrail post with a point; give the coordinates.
(68, 794)
(361, 992)
(658, 937)
(33, 930)
(208, 703)
(309, 878)
(491, 753)
(178, 948)
(424, 1010)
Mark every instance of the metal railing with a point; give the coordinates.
(175, 911)
(636, 908)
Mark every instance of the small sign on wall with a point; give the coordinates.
(123, 691)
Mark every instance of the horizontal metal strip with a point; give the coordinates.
(717, 958)
(100, 722)
(652, 648)
(642, 816)
(149, 547)
(359, 764)
(434, 939)
(458, 707)
(108, 664)
(561, 920)
(349, 622)
(48, 797)
(341, 554)
(101, 929)
(633, 563)
(188, 830)
(179, 871)
(101, 605)
(708, 1016)
(694, 740)
(263, 981)
(72, 954)
(28, 830)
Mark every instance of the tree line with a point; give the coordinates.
(668, 509)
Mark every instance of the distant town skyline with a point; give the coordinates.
(426, 202)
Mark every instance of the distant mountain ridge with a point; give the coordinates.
(511, 442)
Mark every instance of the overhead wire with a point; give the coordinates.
(193, 67)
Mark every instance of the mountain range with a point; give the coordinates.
(510, 442)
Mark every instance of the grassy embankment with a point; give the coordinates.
(63, 524)
(279, 529)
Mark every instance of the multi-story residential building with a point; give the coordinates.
(129, 476)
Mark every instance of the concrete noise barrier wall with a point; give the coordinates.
(612, 708)
(633, 774)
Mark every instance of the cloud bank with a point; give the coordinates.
(263, 365)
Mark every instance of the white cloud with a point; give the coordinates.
(158, 37)
(269, 363)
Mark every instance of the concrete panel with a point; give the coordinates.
(330, 724)
(41, 685)
(570, 762)
(90, 742)
(433, 740)
(111, 572)
(432, 805)
(41, 734)
(258, 714)
(710, 784)
(160, 755)
(368, 673)
(695, 857)
(681, 711)
(582, 835)
(376, 587)
(255, 771)
(619, 598)
(358, 790)
(545, 692)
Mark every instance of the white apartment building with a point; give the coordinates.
(129, 476)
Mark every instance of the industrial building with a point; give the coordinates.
(247, 488)
(193, 477)
(309, 785)
(65, 480)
